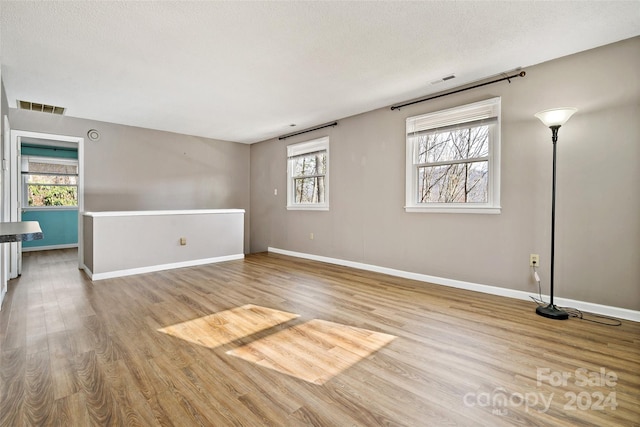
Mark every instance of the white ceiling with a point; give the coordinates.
(245, 71)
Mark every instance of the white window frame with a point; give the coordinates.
(488, 110)
(299, 149)
(42, 159)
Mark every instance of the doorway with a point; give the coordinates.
(16, 202)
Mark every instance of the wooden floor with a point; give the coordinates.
(279, 341)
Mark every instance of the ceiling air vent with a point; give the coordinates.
(443, 79)
(44, 108)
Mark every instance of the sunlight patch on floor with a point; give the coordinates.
(227, 326)
(314, 351)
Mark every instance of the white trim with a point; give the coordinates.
(169, 212)
(311, 146)
(49, 247)
(457, 210)
(5, 211)
(621, 313)
(489, 108)
(25, 160)
(16, 137)
(49, 208)
(481, 110)
(299, 149)
(160, 267)
(308, 207)
(14, 208)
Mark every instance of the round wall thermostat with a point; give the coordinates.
(93, 135)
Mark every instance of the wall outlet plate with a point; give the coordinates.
(534, 260)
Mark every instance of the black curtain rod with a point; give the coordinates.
(308, 130)
(520, 74)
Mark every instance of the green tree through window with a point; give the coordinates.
(51, 183)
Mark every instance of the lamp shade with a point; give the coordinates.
(556, 116)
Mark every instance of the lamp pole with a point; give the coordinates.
(553, 119)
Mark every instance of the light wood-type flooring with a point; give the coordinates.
(278, 341)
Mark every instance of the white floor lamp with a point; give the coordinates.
(553, 119)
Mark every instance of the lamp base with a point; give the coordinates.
(552, 312)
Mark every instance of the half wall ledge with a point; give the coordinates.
(123, 243)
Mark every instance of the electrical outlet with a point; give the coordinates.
(534, 260)
(310, 236)
(183, 241)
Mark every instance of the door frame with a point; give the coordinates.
(15, 267)
(5, 213)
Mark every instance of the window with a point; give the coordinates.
(453, 160)
(308, 175)
(49, 182)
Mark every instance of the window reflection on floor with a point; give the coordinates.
(226, 326)
(314, 351)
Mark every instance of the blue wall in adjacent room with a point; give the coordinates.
(60, 227)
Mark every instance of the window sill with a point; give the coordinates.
(307, 208)
(455, 209)
(50, 208)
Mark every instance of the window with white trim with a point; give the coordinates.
(308, 175)
(453, 160)
(49, 182)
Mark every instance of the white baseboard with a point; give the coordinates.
(605, 310)
(48, 248)
(152, 268)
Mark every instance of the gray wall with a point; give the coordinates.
(132, 168)
(598, 202)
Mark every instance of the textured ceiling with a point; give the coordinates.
(245, 71)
